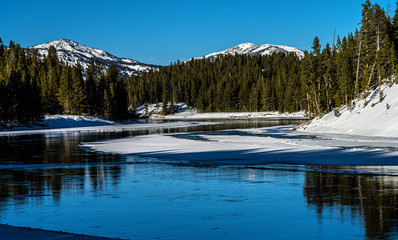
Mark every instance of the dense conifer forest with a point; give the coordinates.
(326, 78)
(31, 86)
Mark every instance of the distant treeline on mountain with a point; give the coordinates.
(324, 79)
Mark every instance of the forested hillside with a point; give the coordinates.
(327, 77)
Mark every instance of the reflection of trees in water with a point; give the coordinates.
(49, 152)
(374, 199)
(50, 179)
(22, 185)
(50, 149)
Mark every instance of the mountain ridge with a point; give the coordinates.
(73, 52)
(250, 48)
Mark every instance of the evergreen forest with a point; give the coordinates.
(32, 86)
(326, 78)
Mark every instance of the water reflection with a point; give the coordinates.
(62, 164)
(372, 199)
(21, 186)
(42, 170)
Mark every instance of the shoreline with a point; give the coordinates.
(184, 112)
(109, 128)
(16, 233)
(197, 118)
(59, 126)
(231, 116)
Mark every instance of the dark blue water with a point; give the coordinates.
(54, 184)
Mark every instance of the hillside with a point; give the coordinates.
(375, 115)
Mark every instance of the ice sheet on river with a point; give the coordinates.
(99, 127)
(258, 146)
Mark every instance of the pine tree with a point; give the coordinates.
(79, 95)
(51, 83)
(115, 95)
(65, 90)
(91, 89)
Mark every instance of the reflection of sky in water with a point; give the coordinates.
(143, 198)
(147, 201)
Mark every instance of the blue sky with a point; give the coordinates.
(160, 32)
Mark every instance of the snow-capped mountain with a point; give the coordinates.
(72, 52)
(253, 49)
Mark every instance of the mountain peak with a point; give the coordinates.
(250, 48)
(72, 52)
(246, 45)
(64, 40)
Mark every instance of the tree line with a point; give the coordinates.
(326, 78)
(32, 86)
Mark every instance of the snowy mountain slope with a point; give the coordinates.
(253, 49)
(375, 115)
(73, 52)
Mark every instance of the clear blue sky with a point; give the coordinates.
(160, 32)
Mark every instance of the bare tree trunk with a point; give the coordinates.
(378, 40)
(327, 96)
(371, 73)
(357, 76)
(309, 108)
(377, 50)
(316, 104)
(328, 101)
(345, 92)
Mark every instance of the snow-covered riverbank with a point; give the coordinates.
(67, 124)
(184, 112)
(61, 121)
(375, 115)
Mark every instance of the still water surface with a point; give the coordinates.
(50, 182)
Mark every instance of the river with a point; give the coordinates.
(49, 181)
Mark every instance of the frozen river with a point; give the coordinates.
(50, 181)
